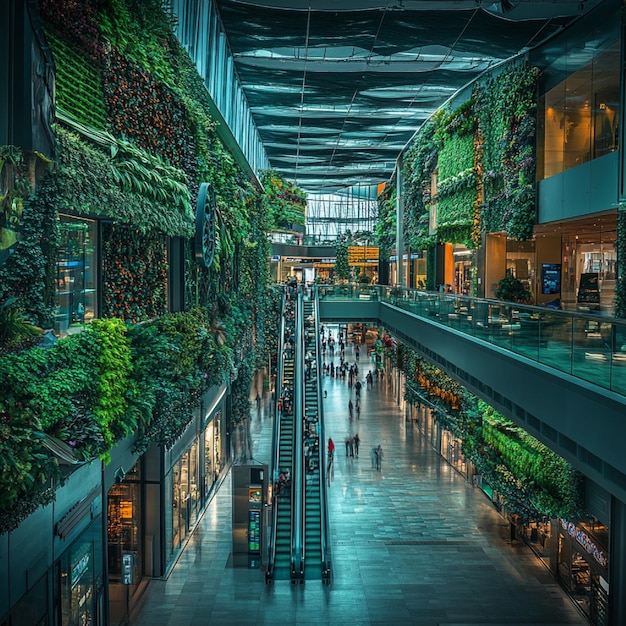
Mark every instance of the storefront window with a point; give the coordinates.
(76, 273)
(185, 495)
(80, 579)
(124, 542)
(579, 115)
(209, 463)
(590, 264)
(583, 567)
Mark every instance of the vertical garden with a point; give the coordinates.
(470, 170)
(134, 142)
(531, 480)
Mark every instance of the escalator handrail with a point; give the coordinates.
(269, 573)
(297, 560)
(324, 529)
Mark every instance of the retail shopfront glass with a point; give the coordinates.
(76, 274)
(196, 467)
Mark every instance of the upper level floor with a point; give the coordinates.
(559, 375)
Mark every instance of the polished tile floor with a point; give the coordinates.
(413, 543)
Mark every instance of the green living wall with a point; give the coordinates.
(134, 141)
(456, 180)
(483, 154)
(531, 479)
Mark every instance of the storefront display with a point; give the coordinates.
(80, 579)
(583, 568)
(185, 494)
(189, 481)
(125, 550)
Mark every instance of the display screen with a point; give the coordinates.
(551, 278)
(254, 532)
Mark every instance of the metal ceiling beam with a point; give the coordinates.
(337, 88)
(510, 9)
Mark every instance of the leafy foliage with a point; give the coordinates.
(14, 329)
(419, 164)
(385, 233)
(178, 359)
(78, 83)
(123, 183)
(139, 168)
(550, 485)
(512, 289)
(286, 203)
(135, 275)
(456, 187)
(484, 151)
(533, 480)
(506, 112)
(342, 267)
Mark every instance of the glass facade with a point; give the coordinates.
(125, 547)
(189, 482)
(79, 580)
(76, 274)
(578, 117)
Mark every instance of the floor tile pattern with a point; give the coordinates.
(412, 543)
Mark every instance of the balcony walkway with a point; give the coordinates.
(413, 543)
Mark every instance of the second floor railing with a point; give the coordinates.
(589, 346)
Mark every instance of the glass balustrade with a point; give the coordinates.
(587, 346)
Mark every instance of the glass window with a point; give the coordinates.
(78, 583)
(579, 115)
(124, 530)
(75, 274)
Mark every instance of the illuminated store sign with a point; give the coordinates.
(585, 541)
(78, 570)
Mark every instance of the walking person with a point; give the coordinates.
(331, 456)
(350, 408)
(357, 388)
(356, 440)
(378, 451)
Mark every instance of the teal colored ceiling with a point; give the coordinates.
(338, 88)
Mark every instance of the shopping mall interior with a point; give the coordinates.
(240, 239)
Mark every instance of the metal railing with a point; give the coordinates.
(588, 346)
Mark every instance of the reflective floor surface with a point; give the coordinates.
(413, 543)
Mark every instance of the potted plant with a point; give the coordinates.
(512, 289)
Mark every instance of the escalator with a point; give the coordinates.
(312, 443)
(298, 538)
(280, 554)
(316, 558)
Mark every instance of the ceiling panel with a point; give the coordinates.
(336, 94)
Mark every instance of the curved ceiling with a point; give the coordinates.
(337, 88)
